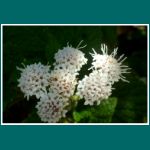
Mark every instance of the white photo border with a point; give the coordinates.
(147, 123)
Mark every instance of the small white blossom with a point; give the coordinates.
(34, 80)
(51, 108)
(70, 58)
(62, 82)
(94, 88)
(109, 64)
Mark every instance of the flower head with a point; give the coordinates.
(109, 64)
(34, 79)
(70, 58)
(94, 88)
(62, 82)
(51, 108)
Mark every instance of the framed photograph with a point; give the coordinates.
(75, 74)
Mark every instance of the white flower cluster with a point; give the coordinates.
(70, 58)
(34, 80)
(51, 108)
(105, 71)
(62, 82)
(109, 64)
(54, 88)
(94, 88)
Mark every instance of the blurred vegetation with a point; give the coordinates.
(30, 44)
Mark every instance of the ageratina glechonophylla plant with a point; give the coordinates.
(58, 90)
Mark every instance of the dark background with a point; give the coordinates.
(33, 44)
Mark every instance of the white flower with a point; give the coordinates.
(62, 82)
(94, 88)
(34, 80)
(109, 64)
(51, 108)
(70, 58)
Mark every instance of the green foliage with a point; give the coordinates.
(99, 114)
(132, 100)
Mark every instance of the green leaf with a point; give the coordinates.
(103, 113)
(99, 114)
(79, 116)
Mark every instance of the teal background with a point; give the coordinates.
(74, 137)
